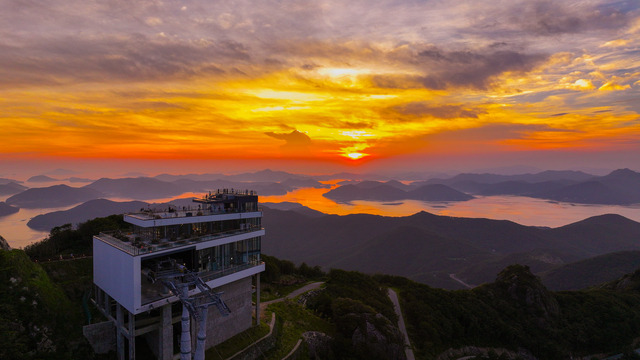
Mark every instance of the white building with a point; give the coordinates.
(217, 241)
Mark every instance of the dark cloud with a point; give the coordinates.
(293, 139)
(438, 111)
(554, 17)
(494, 132)
(308, 66)
(387, 81)
(444, 68)
(542, 18)
(471, 68)
(131, 58)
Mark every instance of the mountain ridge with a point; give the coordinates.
(52, 196)
(326, 239)
(619, 187)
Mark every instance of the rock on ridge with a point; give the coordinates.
(4, 245)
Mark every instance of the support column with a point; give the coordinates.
(119, 334)
(194, 334)
(202, 334)
(107, 305)
(185, 336)
(257, 299)
(132, 336)
(165, 334)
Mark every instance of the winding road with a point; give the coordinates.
(396, 306)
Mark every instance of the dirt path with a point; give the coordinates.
(396, 306)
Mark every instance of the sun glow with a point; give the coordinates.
(356, 134)
(356, 155)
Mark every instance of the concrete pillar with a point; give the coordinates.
(257, 299)
(132, 336)
(119, 334)
(194, 335)
(107, 306)
(185, 336)
(202, 334)
(166, 334)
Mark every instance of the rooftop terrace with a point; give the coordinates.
(186, 211)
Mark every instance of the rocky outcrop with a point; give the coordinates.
(629, 282)
(318, 345)
(378, 336)
(527, 290)
(4, 245)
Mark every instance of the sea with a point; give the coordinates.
(519, 209)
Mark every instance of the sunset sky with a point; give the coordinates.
(321, 85)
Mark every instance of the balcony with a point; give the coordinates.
(133, 246)
(154, 293)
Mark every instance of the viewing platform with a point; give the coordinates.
(134, 246)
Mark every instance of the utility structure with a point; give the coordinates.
(173, 265)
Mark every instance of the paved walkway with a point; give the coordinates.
(396, 306)
(292, 294)
(454, 277)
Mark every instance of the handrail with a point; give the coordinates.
(207, 276)
(148, 248)
(211, 275)
(186, 212)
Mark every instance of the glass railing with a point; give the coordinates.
(147, 246)
(157, 291)
(212, 275)
(188, 212)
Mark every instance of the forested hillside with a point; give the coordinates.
(42, 309)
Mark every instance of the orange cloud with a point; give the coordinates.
(215, 80)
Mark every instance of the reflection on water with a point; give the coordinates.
(523, 210)
(15, 230)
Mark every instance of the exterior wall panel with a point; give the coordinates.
(237, 296)
(115, 272)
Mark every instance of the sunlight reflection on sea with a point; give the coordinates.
(523, 210)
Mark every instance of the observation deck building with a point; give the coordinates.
(156, 281)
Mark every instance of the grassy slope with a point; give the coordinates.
(36, 315)
(295, 320)
(238, 342)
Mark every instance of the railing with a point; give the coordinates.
(187, 212)
(118, 244)
(206, 276)
(146, 248)
(211, 275)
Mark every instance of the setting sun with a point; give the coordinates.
(356, 155)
